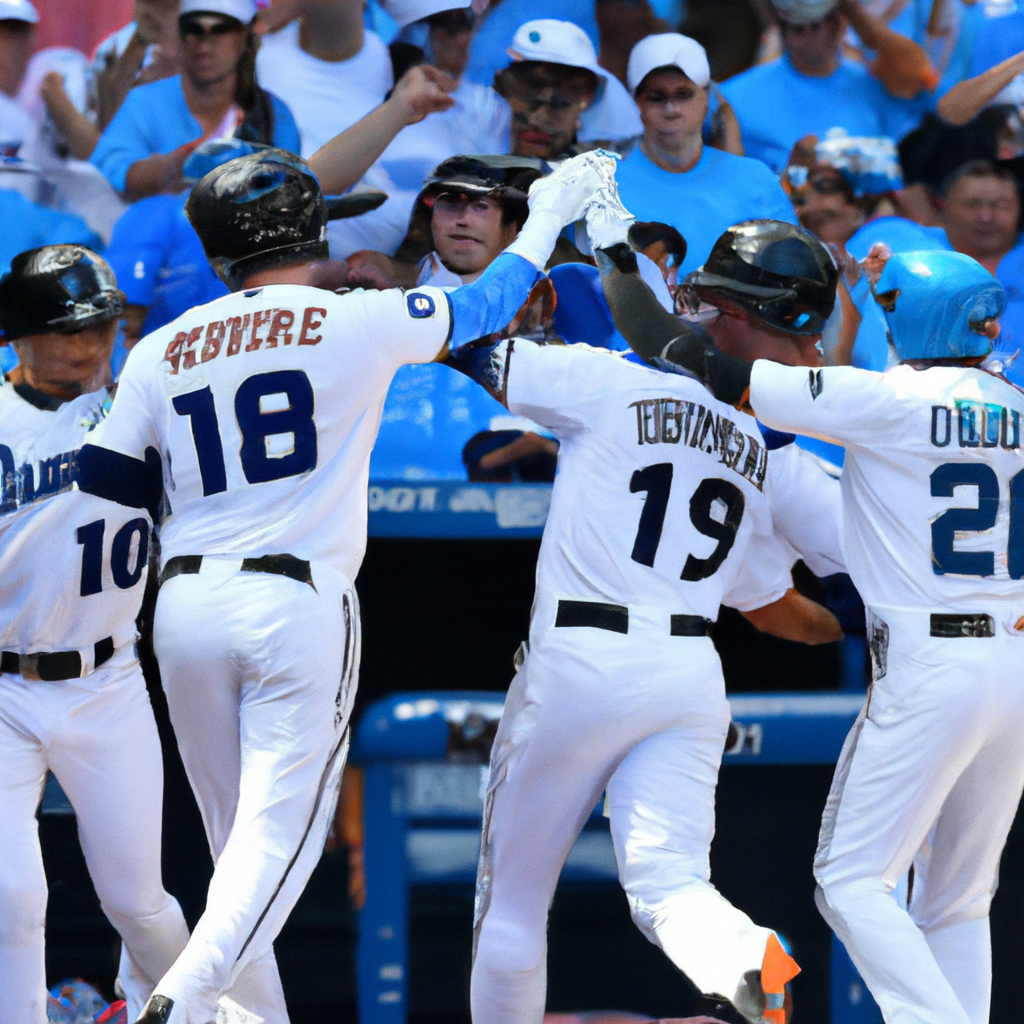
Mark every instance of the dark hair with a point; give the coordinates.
(258, 122)
(976, 169)
(256, 106)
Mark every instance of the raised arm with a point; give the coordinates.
(340, 163)
(965, 100)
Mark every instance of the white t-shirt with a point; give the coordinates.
(73, 565)
(660, 488)
(806, 509)
(264, 406)
(474, 125)
(325, 97)
(933, 482)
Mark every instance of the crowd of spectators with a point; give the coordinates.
(900, 121)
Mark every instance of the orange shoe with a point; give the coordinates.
(777, 969)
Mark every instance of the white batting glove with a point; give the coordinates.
(608, 221)
(559, 199)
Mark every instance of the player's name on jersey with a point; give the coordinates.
(975, 425)
(22, 485)
(264, 328)
(673, 421)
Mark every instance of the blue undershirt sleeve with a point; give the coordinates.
(488, 304)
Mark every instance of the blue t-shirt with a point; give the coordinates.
(995, 39)
(721, 190)
(159, 260)
(871, 347)
(777, 106)
(1011, 335)
(488, 53)
(155, 118)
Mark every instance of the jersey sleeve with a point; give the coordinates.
(402, 326)
(129, 428)
(840, 404)
(764, 575)
(805, 505)
(553, 384)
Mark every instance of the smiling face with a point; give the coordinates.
(982, 213)
(672, 109)
(547, 101)
(66, 365)
(469, 232)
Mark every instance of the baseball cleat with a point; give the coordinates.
(763, 996)
(156, 1011)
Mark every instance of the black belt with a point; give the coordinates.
(277, 565)
(615, 618)
(56, 666)
(950, 626)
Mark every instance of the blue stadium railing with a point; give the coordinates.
(423, 812)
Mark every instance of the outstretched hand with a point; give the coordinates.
(423, 90)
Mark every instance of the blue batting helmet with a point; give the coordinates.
(937, 304)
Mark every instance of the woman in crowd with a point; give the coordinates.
(143, 148)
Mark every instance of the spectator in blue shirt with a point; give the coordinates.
(672, 177)
(812, 89)
(143, 148)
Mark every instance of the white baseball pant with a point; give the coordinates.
(645, 716)
(260, 673)
(98, 736)
(930, 775)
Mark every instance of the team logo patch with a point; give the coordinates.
(420, 305)
(815, 383)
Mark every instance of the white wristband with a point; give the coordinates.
(538, 237)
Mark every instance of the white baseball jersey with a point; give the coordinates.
(933, 484)
(73, 565)
(806, 509)
(660, 488)
(264, 406)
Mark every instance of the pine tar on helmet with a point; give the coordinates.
(57, 289)
(776, 271)
(938, 304)
(259, 211)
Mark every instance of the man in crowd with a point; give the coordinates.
(672, 176)
(812, 88)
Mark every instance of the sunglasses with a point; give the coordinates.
(197, 30)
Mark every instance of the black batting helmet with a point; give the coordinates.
(57, 289)
(778, 272)
(259, 211)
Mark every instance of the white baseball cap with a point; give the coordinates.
(405, 12)
(241, 10)
(801, 12)
(668, 49)
(18, 10)
(556, 42)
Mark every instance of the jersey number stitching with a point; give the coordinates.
(656, 481)
(256, 425)
(944, 480)
(90, 537)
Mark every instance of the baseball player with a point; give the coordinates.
(661, 491)
(765, 291)
(72, 696)
(263, 407)
(932, 772)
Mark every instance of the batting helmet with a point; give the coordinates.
(57, 289)
(776, 271)
(258, 211)
(937, 304)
